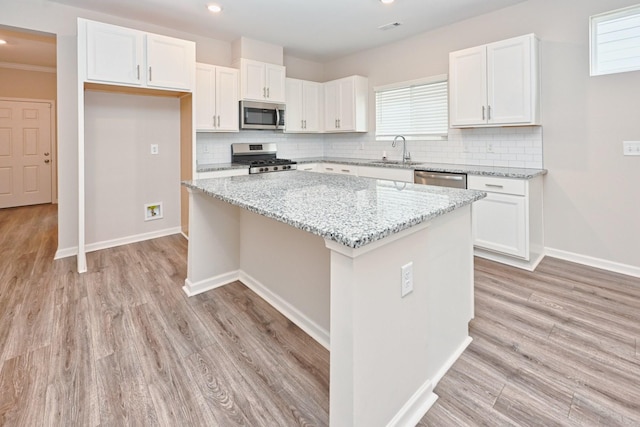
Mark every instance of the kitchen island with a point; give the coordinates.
(335, 254)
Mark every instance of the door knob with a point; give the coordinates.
(46, 154)
(46, 161)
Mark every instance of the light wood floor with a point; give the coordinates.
(123, 345)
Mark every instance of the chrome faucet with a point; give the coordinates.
(406, 156)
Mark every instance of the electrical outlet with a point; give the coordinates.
(407, 279)
(155, 149)
(489, 147)
(631, 148)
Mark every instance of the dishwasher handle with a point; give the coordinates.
(446, 177)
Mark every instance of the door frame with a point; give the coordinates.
(54, 141)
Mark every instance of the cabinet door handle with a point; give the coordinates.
(218, 121)
(483, 107)
(150, 75)
(489, 112)
(138, 71)
(305, 124)
(339, 124)
(268, 95)
(264, 92)
(494, 185)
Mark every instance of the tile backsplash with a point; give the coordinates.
(507, 146)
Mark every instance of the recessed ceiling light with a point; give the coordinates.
(3, 41)
(214, 8)
(387, 1)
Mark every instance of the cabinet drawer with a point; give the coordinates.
(497, 184)
(338, 168)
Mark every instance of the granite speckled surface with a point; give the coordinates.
(349, 210)
(519, 173)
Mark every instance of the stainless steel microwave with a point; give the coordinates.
(261, 115)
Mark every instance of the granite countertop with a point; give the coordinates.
(349, 210)
(520, 173)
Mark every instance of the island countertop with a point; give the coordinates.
(349, 210)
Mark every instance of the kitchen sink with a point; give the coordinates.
(395, 162)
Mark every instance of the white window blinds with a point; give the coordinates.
(417, 108)
(615, 41)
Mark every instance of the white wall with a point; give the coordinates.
(590, 196)
(121, 173)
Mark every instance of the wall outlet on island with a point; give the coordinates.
(407, 279)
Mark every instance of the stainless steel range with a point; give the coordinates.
(261, 158)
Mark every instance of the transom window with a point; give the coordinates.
(615, 41)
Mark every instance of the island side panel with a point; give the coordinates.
(289, 268)
(213, 256)
(388, 352)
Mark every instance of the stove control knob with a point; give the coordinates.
(275, 168)
(262, 170)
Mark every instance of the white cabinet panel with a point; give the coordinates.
(114, 54)
(260, 81)
(338, 169)
(170, 62)
(222, 173)
(393, 174)
(499, 224)
(216, 98)
(304, 106)
(346, 104)
(123, 56)
(495, 84)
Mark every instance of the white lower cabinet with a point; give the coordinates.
(338, 169)
(308, 167)
(222, 173)
(392, 174)
(507, 224)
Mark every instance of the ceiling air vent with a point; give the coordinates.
(390, 26)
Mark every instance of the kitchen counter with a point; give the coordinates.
(349, 210)
(371, 269)
(518, 173)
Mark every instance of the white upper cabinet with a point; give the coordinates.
(304, 106)
(260, 81)
(345, 104)
(170, 62)
(122, 56)
(216, 98)
(495, 84)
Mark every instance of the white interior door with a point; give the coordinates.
(25, 153)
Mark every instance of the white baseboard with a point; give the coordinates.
(192, 289)
(508, 260)
(312, 329)
(424, 398)
(603, 264)
(414, 409)
(106, 244)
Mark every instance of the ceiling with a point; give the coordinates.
(308, 29)
(27, 48)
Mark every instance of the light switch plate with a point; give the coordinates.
(631, 148)
(155, 149)
(407, 279)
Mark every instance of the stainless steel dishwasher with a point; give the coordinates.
(442, 179)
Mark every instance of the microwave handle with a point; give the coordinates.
(277, 117)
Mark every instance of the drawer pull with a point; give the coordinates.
(329, 169)
(345, 170)
(494, 185)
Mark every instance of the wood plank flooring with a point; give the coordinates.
(123, 345)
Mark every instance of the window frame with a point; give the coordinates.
(440, 78)
(594, 21)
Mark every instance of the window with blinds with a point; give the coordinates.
(615, 41)
(414, 109)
